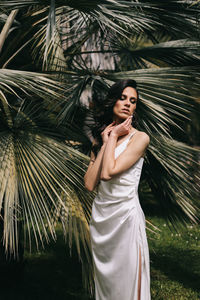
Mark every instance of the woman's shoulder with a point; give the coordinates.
(142, 136)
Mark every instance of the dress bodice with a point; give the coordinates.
(125, 184)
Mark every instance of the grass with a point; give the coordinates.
(175, 262)
(53, 274)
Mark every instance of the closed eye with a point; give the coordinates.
(133, 100)
(122, 97)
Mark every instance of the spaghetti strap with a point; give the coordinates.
(127, 139)
(132, 134)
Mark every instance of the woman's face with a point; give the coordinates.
(126, 105)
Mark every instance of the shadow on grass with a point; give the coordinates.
(50, 274)
(178, 265)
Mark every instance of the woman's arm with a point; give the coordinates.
(134, 150)
(92, 176)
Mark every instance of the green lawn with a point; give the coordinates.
(53, 274)
(175, 262)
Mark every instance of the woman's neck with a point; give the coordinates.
(118, 121)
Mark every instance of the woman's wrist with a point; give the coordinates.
(104, 145)
(114, 135)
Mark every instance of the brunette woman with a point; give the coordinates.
(118, 236)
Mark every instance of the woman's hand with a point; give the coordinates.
(123, 128)
(106, 132)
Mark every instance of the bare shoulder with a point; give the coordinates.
(144, 136)
(141, 137)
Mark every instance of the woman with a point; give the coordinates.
(118, 237)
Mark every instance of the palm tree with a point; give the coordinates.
(56, 53)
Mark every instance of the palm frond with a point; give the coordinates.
(113, 17)
(174, 179)
(8, 194)
(50, 32)
(120, 16)
(133, 54)
(47, 46)
(30, 83)
(39, 174)
(7, 27)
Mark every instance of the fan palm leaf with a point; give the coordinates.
(114, 16)
(39, 171)
(176, 189)
(140, 16)
(130, 54)
(30, 83)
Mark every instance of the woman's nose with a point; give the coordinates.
(127, 103)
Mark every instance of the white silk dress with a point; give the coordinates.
(118, 236)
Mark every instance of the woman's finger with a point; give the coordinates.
(127, 120)
(109, 129)
(126, 123)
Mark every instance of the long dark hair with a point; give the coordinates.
(104, 116)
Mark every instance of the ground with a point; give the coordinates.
(54, 274)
